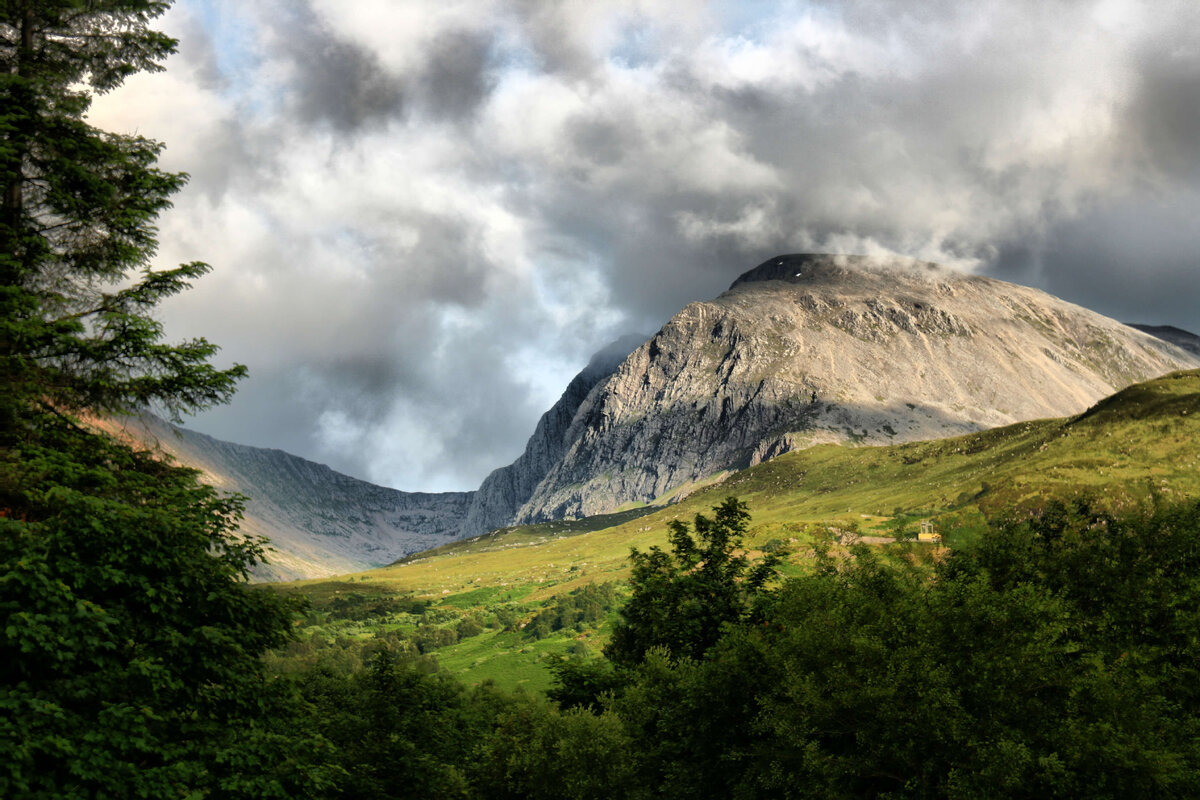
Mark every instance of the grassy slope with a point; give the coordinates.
(1144, 440)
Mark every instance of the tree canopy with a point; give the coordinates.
(682, 600)
(78, 214)
(1058, 658)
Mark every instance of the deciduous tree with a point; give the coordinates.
(683, 599)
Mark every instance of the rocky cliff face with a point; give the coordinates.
(505, 490)
(320, 522)
(807, 349)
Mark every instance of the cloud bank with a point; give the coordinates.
(424, 216)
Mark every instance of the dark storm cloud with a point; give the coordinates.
(553, 36)
(1166, 111)
(447, 265)
(602, 141)
(1134, 254)
(346, 84)
(457, 76)
(1102, 260)
(337, 82)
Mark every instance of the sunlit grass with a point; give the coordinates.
(1138, 445)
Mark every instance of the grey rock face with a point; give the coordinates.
(505, 490)
(320, 522)
(807, 349)
(801, 350)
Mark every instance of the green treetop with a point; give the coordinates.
(683, 600)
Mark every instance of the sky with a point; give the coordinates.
(423, 217)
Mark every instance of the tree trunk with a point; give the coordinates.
(14, 190)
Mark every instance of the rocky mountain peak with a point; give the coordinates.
(507, 489)
(812, 348)
(825, 268)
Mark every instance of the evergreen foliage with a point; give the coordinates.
(129, 654)
(78, 215)
(1058, 659)
(399, 732)
(130, 644)
(583, 683)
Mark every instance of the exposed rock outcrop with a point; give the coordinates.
(811, 348)
(507, 489)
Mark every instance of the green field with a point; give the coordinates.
(1140, 444)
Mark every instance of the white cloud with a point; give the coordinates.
(424, 216)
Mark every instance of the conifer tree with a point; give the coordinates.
(129, 641)
(78, 217)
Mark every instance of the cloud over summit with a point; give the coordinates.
(424, 216)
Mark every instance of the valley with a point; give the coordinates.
(841, 523)
(317, 521)
(803, 351)
(1133, 449)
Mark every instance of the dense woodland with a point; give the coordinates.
(1055, 657)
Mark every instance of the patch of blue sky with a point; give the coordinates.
(235, 49)
(747, 19)
(753, 20)
(512, 58)
(638, 47)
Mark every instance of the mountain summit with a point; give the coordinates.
(805, 349)
(802, 349)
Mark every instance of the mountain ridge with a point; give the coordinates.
(320, 522)
(811, 348)
(1185, 340)
(801, 350)
(506, 488)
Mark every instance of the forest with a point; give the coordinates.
(1056, 656)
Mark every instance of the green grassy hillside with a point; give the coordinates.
(1140, 443)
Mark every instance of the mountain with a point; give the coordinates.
(1136, 449)
(1169, 333)
(806, 349)
(1130, 449)
(803, 349)
(320, 522)
(507, 488)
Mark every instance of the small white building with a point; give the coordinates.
(928, 532)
